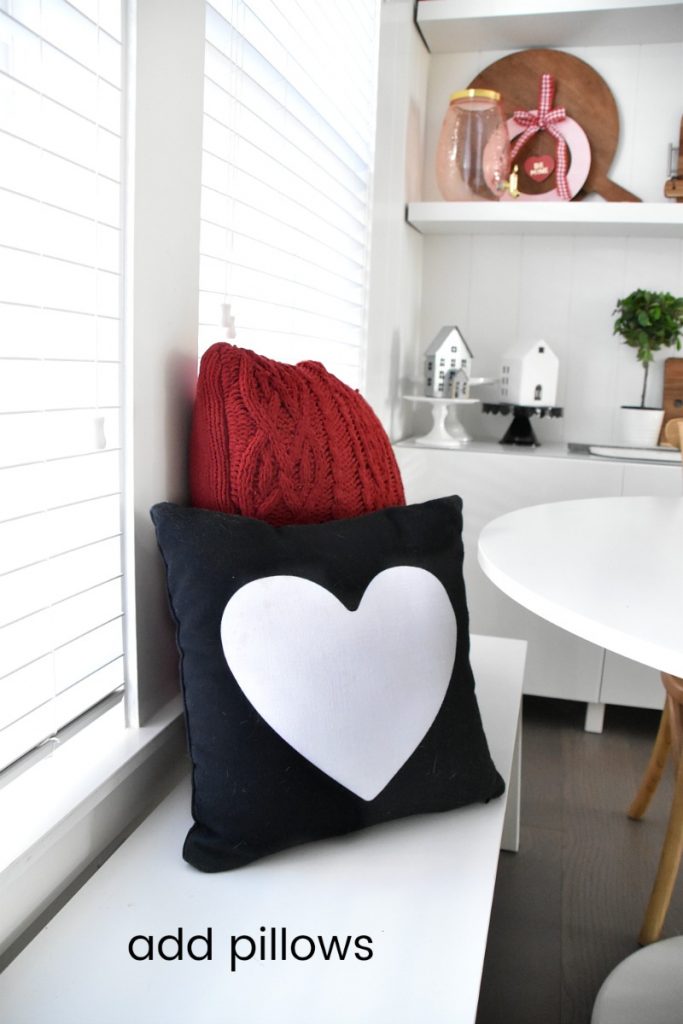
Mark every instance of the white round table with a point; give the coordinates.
(606, 569)
(610, 571)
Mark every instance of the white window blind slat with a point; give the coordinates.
(68, 26)
(57, 626)
(273, 183)
(87, 692)
(55, 712)
(67, 29)
(68, 286)
(59, 482)
(35, 636)
(32, 437)
(77, 616)
(24, 641)
(276, 47)
(27, 732)
(289, 109)
(28, 385)
(38, 586)
(45, 535)
(30, 171)
(284, 291)
(286, 320)
(32, 332)
(57, 129)
(30, 226)
(109, 18)
(24, 691)
(285, 218)
(86, 654)
(254, 105)
(87, 7)
(252, 252)
(67, 673)
(26, 541)
(238, 219)
(28, 59)
(61, 613)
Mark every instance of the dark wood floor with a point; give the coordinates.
(568, 906)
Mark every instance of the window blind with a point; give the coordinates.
(60, 522)
(289, 124)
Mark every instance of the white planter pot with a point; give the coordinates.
(639, 428)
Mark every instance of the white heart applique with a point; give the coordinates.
(354, 692)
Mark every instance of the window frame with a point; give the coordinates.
(131, 764)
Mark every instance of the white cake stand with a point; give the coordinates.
(440, 436)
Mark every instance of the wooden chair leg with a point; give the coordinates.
(655, 767)
(669, 862)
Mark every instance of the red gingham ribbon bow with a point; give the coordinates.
(545, 118)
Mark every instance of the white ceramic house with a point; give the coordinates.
(457, 384)
(528, 374)
(448, 353)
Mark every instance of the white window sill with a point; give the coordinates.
(63, 811)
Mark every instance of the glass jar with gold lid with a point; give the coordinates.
(473, 153)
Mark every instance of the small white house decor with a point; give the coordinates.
(457, 384)
(528, 375)
(447, 354)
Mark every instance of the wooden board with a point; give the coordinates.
(673, 392)
(673, 189)
(581, 91)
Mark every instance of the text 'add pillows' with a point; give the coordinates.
(325, 674)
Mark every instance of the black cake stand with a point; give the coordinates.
(520, 430)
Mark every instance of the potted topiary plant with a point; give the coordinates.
(647, 321)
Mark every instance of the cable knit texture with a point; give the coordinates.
(286, 444)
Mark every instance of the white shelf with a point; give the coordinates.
(429, 400)
(455, 26)
(657, 220)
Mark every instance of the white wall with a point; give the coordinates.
(499, 290)
(395, 247)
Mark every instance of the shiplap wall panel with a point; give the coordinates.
(563, 289)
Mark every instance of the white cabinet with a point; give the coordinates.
(493, 481)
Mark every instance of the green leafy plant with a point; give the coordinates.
(648, 321)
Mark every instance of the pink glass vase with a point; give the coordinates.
(473, 154)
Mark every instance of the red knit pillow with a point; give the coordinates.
(287, 444)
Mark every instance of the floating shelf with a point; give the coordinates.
(655, 220)
(456, 26)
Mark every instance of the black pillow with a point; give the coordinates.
(325, 673)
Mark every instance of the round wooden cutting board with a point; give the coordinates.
(586, 98)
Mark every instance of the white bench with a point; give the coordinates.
(420, 888)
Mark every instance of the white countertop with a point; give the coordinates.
(542, 451)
